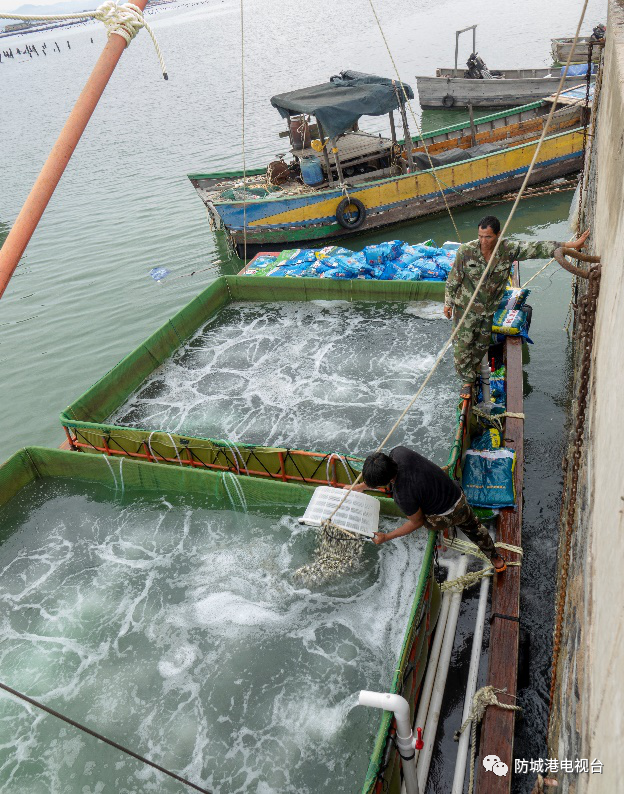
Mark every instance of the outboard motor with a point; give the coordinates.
(477, 70)
(475, 65)
(598, 32)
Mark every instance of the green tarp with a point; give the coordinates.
(339, 103)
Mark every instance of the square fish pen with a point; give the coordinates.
(89, 426)
(37, 544)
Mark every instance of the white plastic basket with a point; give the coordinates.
(358, 514)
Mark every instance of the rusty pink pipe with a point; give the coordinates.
(52, 171)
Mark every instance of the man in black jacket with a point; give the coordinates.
(427, 496)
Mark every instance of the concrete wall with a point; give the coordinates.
(588, 714)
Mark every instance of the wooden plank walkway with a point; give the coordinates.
(497, 728)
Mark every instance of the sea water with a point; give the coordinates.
(327, 376)
(178, 630)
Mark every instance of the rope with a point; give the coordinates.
(418, 129)
(101, 738)
(542, 269)
(467, 547)
(484, 697)
(242, 35)
(472, 577)
(513, 415)
(125, 20)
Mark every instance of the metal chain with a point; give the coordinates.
(585, 321)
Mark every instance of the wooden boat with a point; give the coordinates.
(482, 87)
(389, 181)
(561, 48)
(449, 88)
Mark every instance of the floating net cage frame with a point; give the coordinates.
(37, 463)
(85, 422)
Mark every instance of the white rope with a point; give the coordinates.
(484, 697)
(242, 35)
(418, 129)
(125, 20)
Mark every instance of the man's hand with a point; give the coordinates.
(448, 312)
(579, 242)
(379, 538)
(360, 487)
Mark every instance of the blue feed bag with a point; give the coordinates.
(487, 477)
(513, 298)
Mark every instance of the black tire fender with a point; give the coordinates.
(448, 101)
(341, 214)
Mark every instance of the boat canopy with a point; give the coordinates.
(339, 103)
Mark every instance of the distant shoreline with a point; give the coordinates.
(51, 26)
(70, 22)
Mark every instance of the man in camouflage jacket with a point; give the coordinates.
(474, 337)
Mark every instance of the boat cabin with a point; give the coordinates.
(327, 145)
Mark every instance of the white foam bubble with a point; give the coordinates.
(228, 609)
(209, 653)
(323, 375)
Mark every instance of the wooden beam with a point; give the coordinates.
(392, 127)
(497, 728)
(330, 177)
(473, 131)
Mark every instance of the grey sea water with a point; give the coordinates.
(82, 297)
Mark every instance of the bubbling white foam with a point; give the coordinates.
(324, 375)
(207, 656)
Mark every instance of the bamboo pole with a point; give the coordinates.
(52, 171)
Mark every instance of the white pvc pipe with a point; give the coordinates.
(404, 736)
(434, 653)
(435, 706)
(471, 688)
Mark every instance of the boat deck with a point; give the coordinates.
(353, 148)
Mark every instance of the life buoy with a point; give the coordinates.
(350, 220)
(448, 101)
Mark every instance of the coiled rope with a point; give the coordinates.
(484, 697)
(125, 20)
(472, 577)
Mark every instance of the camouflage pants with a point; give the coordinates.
(463, 517)
(471, 344)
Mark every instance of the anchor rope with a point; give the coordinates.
(125, 20)
(242, 38)
(484, 697)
